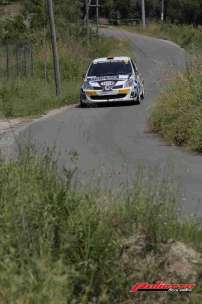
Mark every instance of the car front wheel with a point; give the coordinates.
(143, 94)
(139, 100)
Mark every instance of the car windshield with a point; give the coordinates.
(110, 68)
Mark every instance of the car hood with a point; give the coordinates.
(115, 78)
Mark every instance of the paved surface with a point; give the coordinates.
(112, 141)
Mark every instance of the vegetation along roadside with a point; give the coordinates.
(177, 115)
(61, 245)
(26, 69)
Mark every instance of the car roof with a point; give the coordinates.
(111, 58)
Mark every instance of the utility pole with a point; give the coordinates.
(54, 48)
(88, 6)
(143, 14)
(162, 10)
(87, 17)
(97, 15)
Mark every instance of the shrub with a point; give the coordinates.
(177, 116)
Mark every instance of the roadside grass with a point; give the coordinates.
(177, 116)
(186, 36)
(36, 95)
(23, 98)
(61, 245)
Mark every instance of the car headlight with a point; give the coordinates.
(129, 83)
(87, 86)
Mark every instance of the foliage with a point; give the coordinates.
(3, 2)
(66, 12)
(186, 36)
(13, 29)
(180, 11)
(185, 11)
(59, 245)
(178, 114)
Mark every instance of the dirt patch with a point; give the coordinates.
(183, 262)
(10, 125)
(173, 262)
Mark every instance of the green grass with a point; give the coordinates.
(186, 36)
(177, 116)
(30, 97)
(36, 95)
(59, 245)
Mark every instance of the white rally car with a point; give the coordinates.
(112, 79)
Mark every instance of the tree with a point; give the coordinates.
(67, 11)
(177, 11)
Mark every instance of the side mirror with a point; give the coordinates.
(84, 75)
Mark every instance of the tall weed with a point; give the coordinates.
(59, 245)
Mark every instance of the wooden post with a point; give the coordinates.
(162, 10)
(143, 14)
(17, 61)
(31, 60)
(87, 17)
(25, 60)
(97, 16)
(54, 48)
(7, 60)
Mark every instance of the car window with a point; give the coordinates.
(110, 68)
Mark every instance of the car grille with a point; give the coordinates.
(108, 97)
(118, 87)
(97, 88)
(102, 88)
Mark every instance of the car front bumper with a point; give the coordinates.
(116, 95)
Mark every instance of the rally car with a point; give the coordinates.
(112, 79)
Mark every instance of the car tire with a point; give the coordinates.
(82, 104)
(139, 100)
(143, 94)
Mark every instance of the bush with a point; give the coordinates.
(177, 116)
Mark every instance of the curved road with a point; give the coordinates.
(112, 141)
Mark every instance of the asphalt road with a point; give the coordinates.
(113, 141)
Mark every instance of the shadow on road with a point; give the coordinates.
(108, 104)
